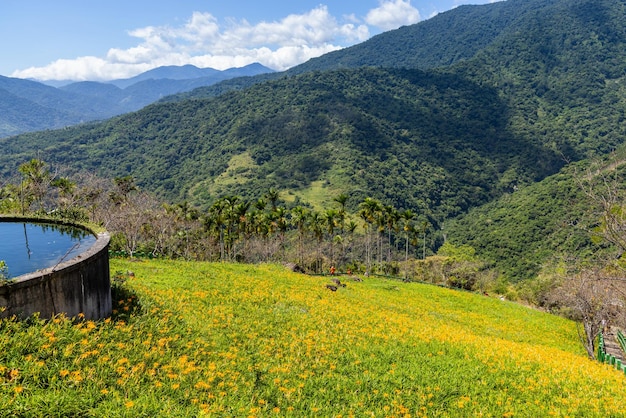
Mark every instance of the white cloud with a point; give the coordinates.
(204, 42)
(391, 14)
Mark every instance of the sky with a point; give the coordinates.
(113, 39)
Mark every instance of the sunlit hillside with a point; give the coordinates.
(193, 339)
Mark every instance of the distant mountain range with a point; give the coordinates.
(27, 105)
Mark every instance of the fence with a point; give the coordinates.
(604, 357)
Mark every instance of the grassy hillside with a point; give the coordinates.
(193, 339)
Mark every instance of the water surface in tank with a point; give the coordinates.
(26, 247)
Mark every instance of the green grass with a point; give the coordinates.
(319, 195)
(239, 171)
(202, 339)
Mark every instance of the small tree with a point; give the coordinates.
(594, 296)
(461, 266)
(35, 184)
(591, 297)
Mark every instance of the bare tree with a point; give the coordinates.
(594, 298)
(133, 220)
(603, 186)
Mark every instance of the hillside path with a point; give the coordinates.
(611, 345)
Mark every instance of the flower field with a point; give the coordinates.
(205, 339)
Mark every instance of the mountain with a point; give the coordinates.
(543, 223)
(134, 93)
(435, 142)
(191, 72)
(33, 106)
(171, 72)
(440, 41)
(27, 105)
(20, 114)
(505, 97)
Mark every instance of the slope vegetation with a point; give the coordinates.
(540, 224)
(219, 339)
(430, 141)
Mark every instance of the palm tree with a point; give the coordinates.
(391, 217)
(240, 214)
(34, 187)
(330, 218)
(351, 226)
(272, 195)
(260, 204)
(216, 220)
(407, 220)
(316, 225)
(220, 213)
(184, 214)
(424, 227)
(342, 199)
(299, 216)
(381, 222)
(231, 220)
(280, 218)
(368, 212)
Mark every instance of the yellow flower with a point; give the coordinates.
(129, 404)
(64, 373)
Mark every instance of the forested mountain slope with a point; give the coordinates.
(561, 70)
(558, 66)
(19, 115)
(436, 42)
(555, 221)
(459, 35)
(524, 230)
(443, 40)
(540, 83)
(421, 140)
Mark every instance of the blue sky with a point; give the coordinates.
(100, 40)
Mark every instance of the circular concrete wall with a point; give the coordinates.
(78, 286)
